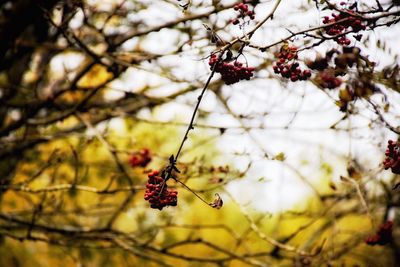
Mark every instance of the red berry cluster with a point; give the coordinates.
(140, 158)
(329, 80)
(287, 69)
(158, 193)
(231, 72)
(383, 236)
(341, 27)
(392, 159)
(244, 12)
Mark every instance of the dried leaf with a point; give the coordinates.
(217, 203)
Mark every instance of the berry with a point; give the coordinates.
(243, 12)
(289, 70)
(392, 160)
(339, 28)
(157, 192)
(140, 158)
(383, 236)
(328, 80)
(307, 73)
(231, 72)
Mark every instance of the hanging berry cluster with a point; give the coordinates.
(243, 12)
(383, 236)
(327, 79)
(392, 160)
(231, 72)
(349, 21)
(140, 158)
(157, 192)
(287, 65)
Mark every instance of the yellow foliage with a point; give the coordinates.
(97, 76)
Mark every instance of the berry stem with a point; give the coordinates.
(199, 98)
(197, 195)
(223, 50)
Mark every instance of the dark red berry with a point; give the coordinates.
(328, 80)
(288, 66)
(383, 236)
(349, 20)
(140, 158)
(243, 12)
(392, 160)
(231, 72)
(307, 73)
(157, 192)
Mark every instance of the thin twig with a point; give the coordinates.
(246, 36)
